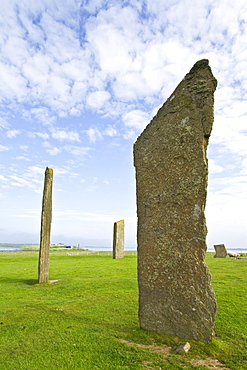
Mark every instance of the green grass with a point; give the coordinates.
(81, 321)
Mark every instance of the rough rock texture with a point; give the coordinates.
(118, 240)
(183, 348)
(220, 250)
(46, 216)
(175, 293)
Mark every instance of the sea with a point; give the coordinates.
(13, 248)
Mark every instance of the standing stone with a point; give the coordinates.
(220, 250)
(118, 240)
(46, 216)
(175, 293)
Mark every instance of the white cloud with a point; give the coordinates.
(130, 135)
(231, 133)
(3, 179)
(21, 157)
(98, 99)
(35, 171)
(46, 144)
(12, 83)
(94, 134)
(110, 131)
(128, 53)
(54, 151)
(42, 135)
(3, 148)
(12, 133)
(136, 119)
(19, 181)
(77, 151)
(41, 114)
(62, 135)
(3, 122)
(213, 167)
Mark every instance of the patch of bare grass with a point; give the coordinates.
(165, 352)
(210, 363)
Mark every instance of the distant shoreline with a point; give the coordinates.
(35, 247)
(54, 247)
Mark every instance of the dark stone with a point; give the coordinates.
(175, 293)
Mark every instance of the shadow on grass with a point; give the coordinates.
(30, 281)
(16, 281)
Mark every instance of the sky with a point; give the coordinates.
(80, 80)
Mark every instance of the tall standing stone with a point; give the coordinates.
(175, 293)
(118, 240)
(46, 216)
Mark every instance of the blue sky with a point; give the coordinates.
(79, 82)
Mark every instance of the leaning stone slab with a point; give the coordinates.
(175, 293)
(118, 240)
(46, 216)
(220, 250)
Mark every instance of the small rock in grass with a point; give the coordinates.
(183, 348)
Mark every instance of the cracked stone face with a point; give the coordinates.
(175, 293)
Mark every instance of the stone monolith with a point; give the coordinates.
(220, 250)
(175, 293)
(118, 240)
(46, 216)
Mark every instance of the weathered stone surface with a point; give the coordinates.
(118, 240)
(175, 293)
(183, 348)
(220, 250)
(46, 216)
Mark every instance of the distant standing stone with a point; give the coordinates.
(175, 293)
(220, 250)
(46, 217)
(118, 240)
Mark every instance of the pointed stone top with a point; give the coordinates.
(50, 170)
(195, 91)
(200, 64)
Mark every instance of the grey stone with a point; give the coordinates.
(118, 240)
(46, 217)
(220, 250)
(183, 348)
(175, 292)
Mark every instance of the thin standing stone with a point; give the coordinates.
(118, 240)
(175, 293)
(46, 217)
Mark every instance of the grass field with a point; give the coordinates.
(88, 319)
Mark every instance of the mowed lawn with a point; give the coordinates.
(89, 318)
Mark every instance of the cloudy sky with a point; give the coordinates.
(79, 81)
